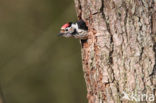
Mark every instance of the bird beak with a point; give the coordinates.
(60, 34)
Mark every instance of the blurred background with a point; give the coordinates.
(36, 66)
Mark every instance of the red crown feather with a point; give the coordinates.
(65, 26)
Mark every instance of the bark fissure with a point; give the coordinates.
(153, 73)
(153, 35)
(142, 50)
(111, 38)
(79, 10)
(110, 63)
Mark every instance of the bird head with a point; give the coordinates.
(67, 30)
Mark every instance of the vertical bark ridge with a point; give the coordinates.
(153, 35)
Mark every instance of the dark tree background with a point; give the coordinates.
(35, 65)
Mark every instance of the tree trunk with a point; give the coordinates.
(120, 52)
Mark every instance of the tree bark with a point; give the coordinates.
(120, 52)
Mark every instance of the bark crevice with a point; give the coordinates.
(111, 39)
(153, 33)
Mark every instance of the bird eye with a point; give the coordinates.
(66, 29)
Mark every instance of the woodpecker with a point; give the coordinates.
(78, 30)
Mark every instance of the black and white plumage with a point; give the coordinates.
(77, 30)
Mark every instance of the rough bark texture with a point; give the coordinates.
(120, 52)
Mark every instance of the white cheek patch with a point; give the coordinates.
(77, 29)
(75, 26)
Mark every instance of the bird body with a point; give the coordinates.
(76, 30)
